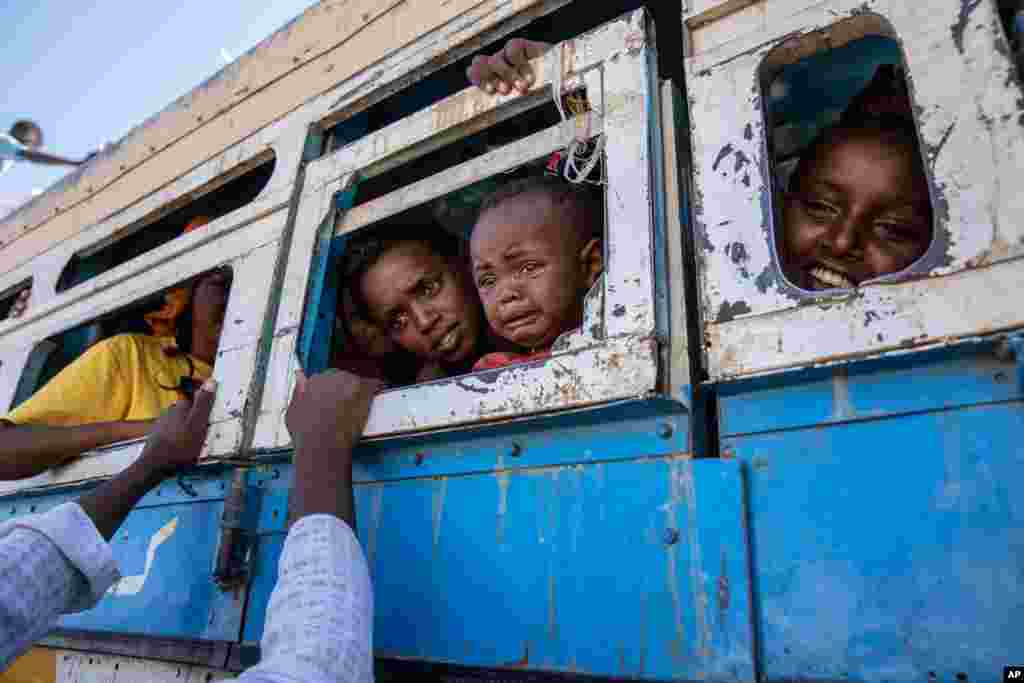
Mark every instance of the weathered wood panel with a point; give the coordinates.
(327, 45)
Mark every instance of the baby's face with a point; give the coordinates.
(528, 270)
(425, 303)
(860, 211)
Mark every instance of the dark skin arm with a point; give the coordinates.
(38, 157)
(326, 417)
(28, 450)
(174, 443)
(508, 69)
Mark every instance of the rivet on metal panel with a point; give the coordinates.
(671, 536)
(515, 450)
(665, 430)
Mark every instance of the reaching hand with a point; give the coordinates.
(176, 440)
(508, 68)
(329, 411)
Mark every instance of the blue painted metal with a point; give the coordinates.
(625, 430)
(575, 568)
(970, 374)
(885, 518)
(178, 598)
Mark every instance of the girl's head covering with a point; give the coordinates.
(886, 96)
(162, 321)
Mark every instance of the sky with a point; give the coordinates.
(88, 71)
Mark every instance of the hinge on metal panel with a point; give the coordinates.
(238, 526)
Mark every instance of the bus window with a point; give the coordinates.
(14, 301)
(559, 25)
(434, 168)
(362, 341)
(223, 195)
(851, 190)
(1011, 13)
(176, 331)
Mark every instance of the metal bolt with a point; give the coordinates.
(665, 430)
(671, 536)
(515, 450)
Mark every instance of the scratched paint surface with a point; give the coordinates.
(754, 321)
(635, 568)
(165, 551)
(887, 544)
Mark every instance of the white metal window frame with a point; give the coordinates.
(248, 240)
(967, 102)
(612, 62)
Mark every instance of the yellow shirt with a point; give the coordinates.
(116, 379)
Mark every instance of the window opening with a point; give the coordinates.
(14, 301)
(431, 245)
(562, 24)
(218, 198)
(187, 318)
(851, 192)
(1011, 14)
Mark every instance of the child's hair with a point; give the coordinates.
(23, 128)
(183, 346)
(364, 250)
(583, 199)
(890, 129)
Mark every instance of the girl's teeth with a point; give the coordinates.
(831, 278)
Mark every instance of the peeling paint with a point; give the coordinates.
(729, 311)
(723, 154)
(967, 8)
(971, 144)
(376, 507)
(842, 408)
(133, 585)
(723, 586)
(437, 508)
(502, 478)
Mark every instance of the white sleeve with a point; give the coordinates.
(319, 626)
(50, 564)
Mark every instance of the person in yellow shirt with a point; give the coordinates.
(116, 389)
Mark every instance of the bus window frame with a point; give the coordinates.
(250, 249)
(752, 322)
(613, 63)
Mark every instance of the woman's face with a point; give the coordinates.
(859, 211)
(426, 302)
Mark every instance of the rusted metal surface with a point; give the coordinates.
(969, 121)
